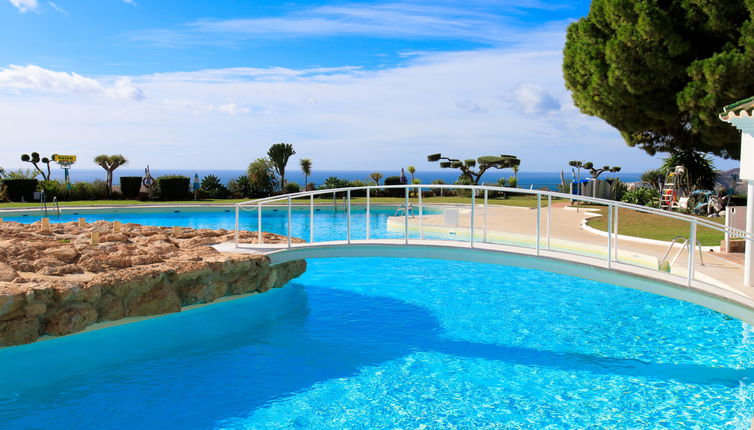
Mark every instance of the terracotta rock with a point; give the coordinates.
(66, 254)
(19, 331)
(160, 299)
(70, 319)
(7, 273)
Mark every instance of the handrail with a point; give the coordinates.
(57, 205)
(551, 194)
(683, 246)
(43, 202)
(611, 206)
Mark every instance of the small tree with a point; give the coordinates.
(595, 172)
(376, 177)
(279, 154)
(484, 163)
(261, 177)
(109, 163)
(35, 160)
(306, 167)
(412, 171)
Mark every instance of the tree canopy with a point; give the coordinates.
(279, 154)
(660, 70)
(483, 163)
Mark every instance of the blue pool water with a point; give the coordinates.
(398, 343)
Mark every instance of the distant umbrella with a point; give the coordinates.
(403, 177)
(196, 182)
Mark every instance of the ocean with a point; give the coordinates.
(525, 179)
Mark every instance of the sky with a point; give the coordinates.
(352, 85)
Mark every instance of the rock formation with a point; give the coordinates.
(55, 282)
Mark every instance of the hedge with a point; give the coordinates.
(130, 186)
(21, 188)
(394, 192)
(174, 187)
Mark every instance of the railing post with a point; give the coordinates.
(539, 211)
(609, 236)
(615, 232)
(471, 221)
(236, 235)
(692, 246)
(549, 219)
(421, 213)
(348, 216)
(405, 216)
(369, 220)
(259, 223)
(290, 221)
(484, 234)
(311, 218)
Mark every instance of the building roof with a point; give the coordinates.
(740, 114)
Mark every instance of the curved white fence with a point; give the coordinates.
(542, 236)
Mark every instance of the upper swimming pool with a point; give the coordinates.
(392, 343)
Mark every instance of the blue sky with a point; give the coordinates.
(352, 85)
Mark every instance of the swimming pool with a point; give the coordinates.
(397, 343)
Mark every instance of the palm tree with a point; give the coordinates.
(411, 170)
(279, 154)
(376, 176)
(700, 169)
(110, 163)
(306, 167)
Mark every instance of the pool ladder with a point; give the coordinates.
(684, 245)
(43, 203)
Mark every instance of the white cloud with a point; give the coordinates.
(25, 5)
(35, 78)
(342, 118)
(131, 2)
(534, 99)
(58, 8)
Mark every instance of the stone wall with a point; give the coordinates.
(55, 282)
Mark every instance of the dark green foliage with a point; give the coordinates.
(653, 177)
(261, 178)
(660, 72)
(213, 188)
(641, 196)
(279, 154)
(358, 193)
(240, 187)
(174, 187)
(130, 186)
(617, 188)
(485, 163)
(700, 170)
(35, 159)
(463, 180)
(333, 182)
(394, 192)
(20, 188)
(292, 187)
(53, 189)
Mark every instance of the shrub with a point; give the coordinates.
(130, 186)
(19, 189)
(240, 187)
(463, 180)
(393, 192)
(53, 189)
(3, 193)
(358, 183)
(292, 187)
(174, 187)
(213, 188)
(642, 196)
(261, 177)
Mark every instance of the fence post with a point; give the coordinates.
(311, 218)
(348, 216)
(471, 221)
(609, 236)
(549, 219)
(290, 221)
(484, 234)
(236, 235)
(539, 211)
(405, 216)
(615, 232)
(369, 221)
(421, 213)
(692, 246)
(259, 223)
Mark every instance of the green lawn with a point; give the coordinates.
(650, 226)
(521, 201)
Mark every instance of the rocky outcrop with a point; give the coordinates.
(56, 282)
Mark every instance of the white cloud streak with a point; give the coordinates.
(25, 5)
(58, 8)
(37, 79)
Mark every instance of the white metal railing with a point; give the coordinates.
(612, 215)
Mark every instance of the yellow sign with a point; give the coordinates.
(64, 158)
